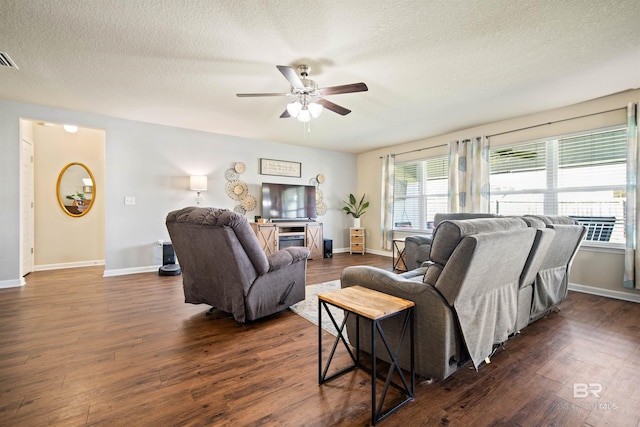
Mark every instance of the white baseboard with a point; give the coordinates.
(379, 252)
(16, 283)
(133, 270)
(368, 251)
(60, 266)
(624, 296)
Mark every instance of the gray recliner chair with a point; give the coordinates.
(223, 264)
(466, 297)
(417, 247)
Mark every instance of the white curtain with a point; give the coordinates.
(632, 217)
(386, 206)
(469, 175)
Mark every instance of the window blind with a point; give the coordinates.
(594, 149)
(582, 176)
(520, 158)
(420, 191)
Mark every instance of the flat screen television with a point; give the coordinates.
(288, 202)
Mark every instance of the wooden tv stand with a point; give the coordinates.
(277, 235)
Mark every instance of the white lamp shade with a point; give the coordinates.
(304, 115)
(198, 182)
(315, 109)
(294, 108)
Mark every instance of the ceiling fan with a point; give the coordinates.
(309, 99)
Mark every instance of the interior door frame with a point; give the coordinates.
(27, 222)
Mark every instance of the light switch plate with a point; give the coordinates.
(129, 200)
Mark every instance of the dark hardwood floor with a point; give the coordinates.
(79, 349)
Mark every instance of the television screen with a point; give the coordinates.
(288, 201)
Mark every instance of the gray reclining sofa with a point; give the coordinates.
(475, 292)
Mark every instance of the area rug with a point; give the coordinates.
(309, 307)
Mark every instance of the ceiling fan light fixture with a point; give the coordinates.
(294, 108)
(315, 109)
(309, 100)
(71, 128)
(304, 115)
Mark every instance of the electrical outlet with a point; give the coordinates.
(129, 200)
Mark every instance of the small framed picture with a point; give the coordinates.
(280, 168)
(87, 189)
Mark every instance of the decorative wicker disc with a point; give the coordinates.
(313, 181)
(239, 209)
(249, 202)
(237, 190)
(240, 167)
(231, 175)
(321, 208)
(320, 178)
(319, 195)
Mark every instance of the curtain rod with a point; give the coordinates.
(556, 121)
(416, 150)
(517, 130)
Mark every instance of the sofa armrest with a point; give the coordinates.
(438, 347)
(416, 249)
(287, 256)
(419, 239)
(411, 288)
(298, 253)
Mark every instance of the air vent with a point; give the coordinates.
(6, 61)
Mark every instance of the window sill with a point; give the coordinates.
(606, 247)
(412, 231)
(612, 248)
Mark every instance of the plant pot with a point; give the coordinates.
(356, 222)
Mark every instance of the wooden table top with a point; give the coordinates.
(366, 302)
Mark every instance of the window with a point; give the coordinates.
(420, 191)
(583, 176)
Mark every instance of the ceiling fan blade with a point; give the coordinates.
(291, 75)
(333, 107)
(353, 87)
(285, 115)
(245, 95)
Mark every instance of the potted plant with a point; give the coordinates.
(77, 197)
(355, 208)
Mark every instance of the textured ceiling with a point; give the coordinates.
(432, 66)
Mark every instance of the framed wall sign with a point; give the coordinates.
(280, 168)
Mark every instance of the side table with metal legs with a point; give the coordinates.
(399, 255)
(374, 306)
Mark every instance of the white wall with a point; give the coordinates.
(152, 163)
(600, 270)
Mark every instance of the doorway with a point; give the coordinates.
(60, 240)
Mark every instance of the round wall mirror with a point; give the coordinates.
(76, 189)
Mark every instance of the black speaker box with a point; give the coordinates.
(168, 255)
(328, 248)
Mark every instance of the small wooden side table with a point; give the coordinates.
(375, 306)
(356, 240)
